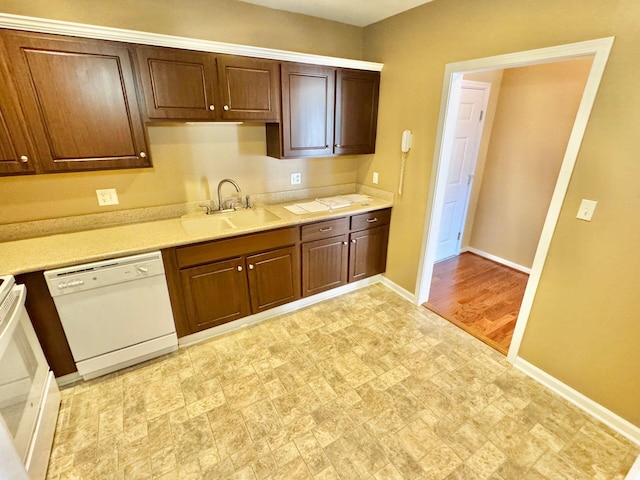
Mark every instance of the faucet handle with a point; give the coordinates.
(207, 206)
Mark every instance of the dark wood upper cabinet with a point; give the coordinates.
(356, 111)
(249, 88)
(178, 84)
(16, 152)
(306, 129)
(80, 100)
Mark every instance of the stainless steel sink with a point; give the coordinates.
(202, 224)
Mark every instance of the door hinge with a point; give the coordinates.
(459, 235)
(481, 115)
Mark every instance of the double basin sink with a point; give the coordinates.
(201, 224)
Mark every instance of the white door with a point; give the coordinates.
(462, 164)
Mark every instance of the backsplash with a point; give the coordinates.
(52, 226)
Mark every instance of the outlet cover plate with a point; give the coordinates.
(296, 179)
(107, 196)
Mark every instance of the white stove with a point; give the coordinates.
(29, 396)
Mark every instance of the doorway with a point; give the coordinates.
(599, 49)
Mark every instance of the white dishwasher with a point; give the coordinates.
(115, 313)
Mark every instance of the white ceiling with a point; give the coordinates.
(354, 12)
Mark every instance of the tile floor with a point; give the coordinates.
(364, 386)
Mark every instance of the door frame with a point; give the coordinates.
(486, 89)
(600, 49)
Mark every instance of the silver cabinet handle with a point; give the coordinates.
(143, 155)
(226, 108)
(239, 268)
(250, 266)
(326, 229)
(353, 241)
(212, 107)
(24, 159)
(338, 146)
(344, 243)
(371, 220)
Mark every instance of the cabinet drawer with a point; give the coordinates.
(371, 219)
(326, 229)
(202, 253)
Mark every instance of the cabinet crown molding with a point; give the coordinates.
(58, 27)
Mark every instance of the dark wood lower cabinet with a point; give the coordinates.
(368, 252)
(324, 264)
(273, 278)
(215, 293)
(217, 282)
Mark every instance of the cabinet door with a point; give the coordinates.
(178, 84)
(307, 110)
(16, 154)
(249, 88)
(368, 252)
(324, 264)
(215, 293)
(356, 111)
(274, 278)
(80, 100)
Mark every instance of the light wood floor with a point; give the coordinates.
(480, 296)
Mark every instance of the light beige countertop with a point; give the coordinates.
(54, 251)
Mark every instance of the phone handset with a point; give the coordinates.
(407, 138)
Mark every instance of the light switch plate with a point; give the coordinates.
(375, 177)
(296, 179)
(107, 196)
(587, 207)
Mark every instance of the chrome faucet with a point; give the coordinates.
(222, 182)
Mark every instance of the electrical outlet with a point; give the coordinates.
(107, 196)
(296, 179)
(375, 177)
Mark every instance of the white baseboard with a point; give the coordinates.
(634, 473)
(399, 290)
(497, 259)
(617, 423)
(274, 312)
(68, 379)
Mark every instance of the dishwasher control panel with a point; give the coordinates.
(100, 274)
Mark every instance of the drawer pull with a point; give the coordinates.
(353, 241)
(239, 268)
(344, 243)
(251, 266)
(372, 220)
(326, 229)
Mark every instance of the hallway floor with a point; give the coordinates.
(478, 295)
(363, 386)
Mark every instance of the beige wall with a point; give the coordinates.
(584, 327)
(494, 78)
(185, 154)
(534, 117)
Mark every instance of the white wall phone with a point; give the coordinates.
(407, 138)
